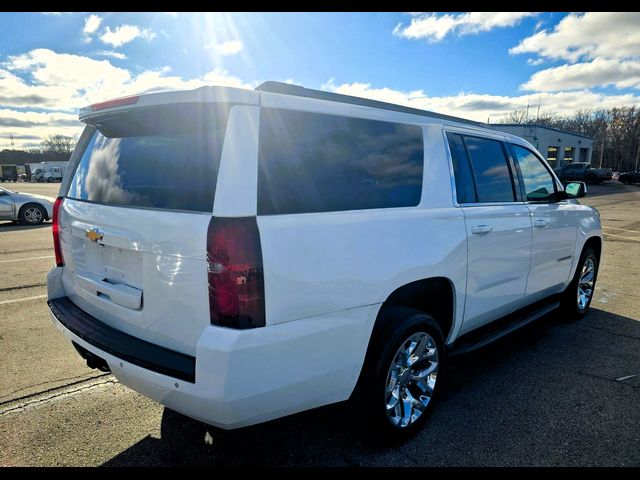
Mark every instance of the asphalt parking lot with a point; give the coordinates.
(553, 393)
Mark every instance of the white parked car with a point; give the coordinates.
(243, 255)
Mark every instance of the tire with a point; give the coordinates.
(386, 377)
(32, 214)
(574, 305)
(51, 180)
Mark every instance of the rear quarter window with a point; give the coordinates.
(311, 162)
(163, 157)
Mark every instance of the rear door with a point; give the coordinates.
(498, 228)
(135, 218)
(554, 225)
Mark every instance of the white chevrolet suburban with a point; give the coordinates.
(242, 255)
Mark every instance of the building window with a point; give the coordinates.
(568, 154)
(552, 156)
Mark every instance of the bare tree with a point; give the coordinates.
(616, 132)
(58, 144)
(517, 116)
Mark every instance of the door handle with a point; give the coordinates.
(541, 223)
(481, 229)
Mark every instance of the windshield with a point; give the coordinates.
(164, 157)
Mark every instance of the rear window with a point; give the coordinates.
(164, 157)
(311, 162)
(490, 170)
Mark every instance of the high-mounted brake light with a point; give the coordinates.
(118, 102)
(235, 273)
(56, 231)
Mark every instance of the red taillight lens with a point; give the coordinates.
(118, 102)
(56, 231)
(236, 280)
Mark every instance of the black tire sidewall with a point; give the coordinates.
(570, 297)
(403, 323)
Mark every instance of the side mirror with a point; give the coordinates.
(575, 189)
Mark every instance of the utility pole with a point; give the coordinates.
(637, 156)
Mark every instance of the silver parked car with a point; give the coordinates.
(27, 208)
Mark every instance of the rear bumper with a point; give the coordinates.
(242, 377)
(121, 344)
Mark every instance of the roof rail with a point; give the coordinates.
(298, 91)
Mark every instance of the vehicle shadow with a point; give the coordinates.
(12, 227)
(547, 395)
(607, 188)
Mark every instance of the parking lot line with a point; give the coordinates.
(635, 239)
(24, 299)
(24, 259)
(618, 228)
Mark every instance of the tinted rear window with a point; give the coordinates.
(465, 188)
(161, 157)
(491, 172)
(312, 162)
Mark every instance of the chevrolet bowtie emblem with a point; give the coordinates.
(93, 234)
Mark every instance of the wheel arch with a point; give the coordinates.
(435, 296)
(27, 204)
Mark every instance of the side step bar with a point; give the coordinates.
(476, 340)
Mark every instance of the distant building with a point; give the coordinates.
(559, 146)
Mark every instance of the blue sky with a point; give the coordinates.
(474, 65)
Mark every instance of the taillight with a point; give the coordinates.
(118, 102)
(235, 275)
(56, 231)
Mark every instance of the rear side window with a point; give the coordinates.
(312, 162)
(465, 189)
(164, 157)
(490, 170)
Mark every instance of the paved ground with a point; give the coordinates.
(554, 393)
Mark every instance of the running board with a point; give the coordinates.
(475, 342)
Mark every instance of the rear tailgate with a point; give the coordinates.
(135, 217)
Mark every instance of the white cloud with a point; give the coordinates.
(73, 77)
(231, 47)
(112, 54)
(599, 72)
(536, 61)
(586, 36)
(125, 34)
(434, 27)
(91, 24)
(479, 107)
(29, 128)
(65, 82)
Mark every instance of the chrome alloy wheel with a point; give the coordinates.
(585, 283)
(411, 379)
(33, 215)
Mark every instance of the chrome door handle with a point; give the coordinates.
(481, 229)
(541, 223)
